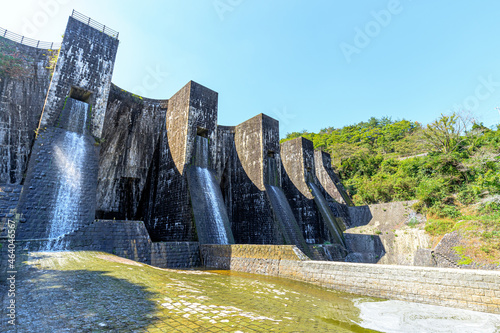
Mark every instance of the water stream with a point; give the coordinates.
(286, 219)
(70, 160)
(326, 213)
(212, 221)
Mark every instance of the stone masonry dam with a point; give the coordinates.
(86, 165)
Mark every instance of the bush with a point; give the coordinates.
(444, 211)
(431, 191)
(439, 227)
(490, 207)
(468, 195)
(419, 207)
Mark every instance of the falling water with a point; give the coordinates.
(216, 206)
(326, 213)
(285, 217)
(70, 157)
(209, 210)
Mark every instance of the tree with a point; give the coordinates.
(446, 134)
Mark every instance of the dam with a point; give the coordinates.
(89, 168)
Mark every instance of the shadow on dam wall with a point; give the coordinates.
(359, 215)
(364, 248)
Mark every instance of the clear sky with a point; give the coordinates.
(309, 64)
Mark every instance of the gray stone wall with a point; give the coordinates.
(298, 169)
(9, 196)
(86, 62)
(329, 179)
(21, 102)
(130, 239)
(250, 210)
(393, 232)
(249, 148)
(130, 135)
(45, 173)
(476, 290)
(166, 206)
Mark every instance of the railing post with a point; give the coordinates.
(117, 35)
(104, 28)
(22, 39)
(89, 21)
(38, 43)
(5, 33)
(52, 44)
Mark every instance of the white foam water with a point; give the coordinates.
(215, 205)
(69, 157)
(326, 213)
(399, 316)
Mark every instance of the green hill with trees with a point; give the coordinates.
(451, 166)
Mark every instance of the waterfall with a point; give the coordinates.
(212, 221)
(70, 161)
(216, 206)
(331, 222)
(284, 214)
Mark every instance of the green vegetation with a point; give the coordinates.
(53, 56)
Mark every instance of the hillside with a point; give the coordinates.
(451, 166)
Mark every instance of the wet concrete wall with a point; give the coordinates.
(298, 162)
(59, 188)
(329, 179)
(166, 205)
(131, 133)
(83, 71)
(22, 95)
(255, 142)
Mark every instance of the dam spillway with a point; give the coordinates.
(209, 210)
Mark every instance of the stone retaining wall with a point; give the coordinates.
(130, 239)
(9, 196)
(477, 290)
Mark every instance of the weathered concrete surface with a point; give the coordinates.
(166, 204)
(48, 167)
(84, 70)
(9, 196)
(131, 133)
(329, 179)
(244, 175)
(249, 147)
(21, 102)
(400, 229)
(297, 158)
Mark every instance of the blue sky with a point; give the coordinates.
(308, 64)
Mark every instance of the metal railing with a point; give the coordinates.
(28, 41)
(94, 24)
